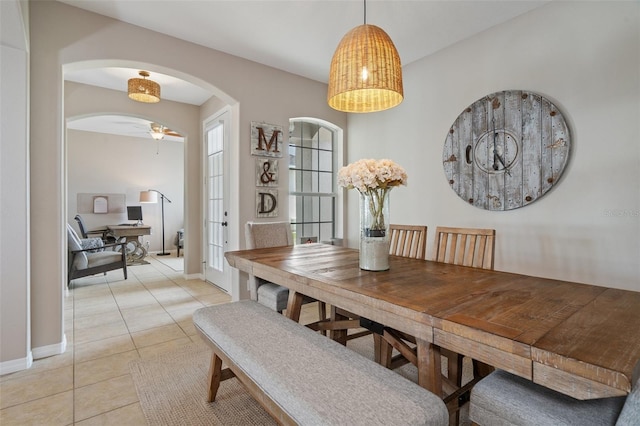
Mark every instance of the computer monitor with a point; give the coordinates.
(135, 213)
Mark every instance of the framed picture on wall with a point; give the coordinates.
(100, 204)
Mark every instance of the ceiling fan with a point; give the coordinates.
(158, 131)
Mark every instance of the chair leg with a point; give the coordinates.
(322, 314)
(454, 366)
(383, 350)
(480, 369)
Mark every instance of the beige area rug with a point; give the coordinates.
(173, 262)
(172, 389)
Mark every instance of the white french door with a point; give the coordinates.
(216, 133)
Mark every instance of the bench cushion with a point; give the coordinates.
(314, 379)
(502, 398)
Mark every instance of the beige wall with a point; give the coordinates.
(15, 338)
(584, 56)
(66, 36)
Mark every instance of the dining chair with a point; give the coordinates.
(503, 398)
(406, 241)
(265, 235)
(473, 247)
(465, 246)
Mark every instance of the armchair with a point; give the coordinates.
(89, 257)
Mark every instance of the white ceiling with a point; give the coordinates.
(298, 36)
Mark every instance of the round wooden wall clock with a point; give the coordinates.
(506, 150)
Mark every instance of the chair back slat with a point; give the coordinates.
(465, 246)
(408, 241)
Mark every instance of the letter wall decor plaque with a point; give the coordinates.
(266, 202)
(266, 140)
(266, 172)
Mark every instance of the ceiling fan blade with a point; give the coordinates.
(170, 132)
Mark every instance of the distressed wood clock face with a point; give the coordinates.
(506, 150)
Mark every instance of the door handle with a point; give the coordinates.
(223, 223)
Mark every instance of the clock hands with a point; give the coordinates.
(496, 156)
(495, 151)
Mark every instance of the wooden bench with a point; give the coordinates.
(302, 377)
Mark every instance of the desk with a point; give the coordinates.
(579, 339)
(135, 250)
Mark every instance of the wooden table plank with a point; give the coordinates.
(598, 347)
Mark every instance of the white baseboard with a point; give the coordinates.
(50, 350)
(14, 365)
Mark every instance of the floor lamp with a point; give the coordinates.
(151, 196)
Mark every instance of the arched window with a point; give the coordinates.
(314, 159)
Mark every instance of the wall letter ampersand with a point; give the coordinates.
(266, 177)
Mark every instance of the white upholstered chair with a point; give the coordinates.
(264, 235)
(504, 399)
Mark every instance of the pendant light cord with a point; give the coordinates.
(365, 11)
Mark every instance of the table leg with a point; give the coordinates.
(139, 252)
(429, 370)
(294, 305)
(134, 249)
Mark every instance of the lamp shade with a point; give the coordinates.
(148, 197)
(365, 73)
(143, 90)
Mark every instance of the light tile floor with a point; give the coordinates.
(108, 322)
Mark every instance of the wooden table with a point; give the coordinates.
(579, 339)
(131, 233)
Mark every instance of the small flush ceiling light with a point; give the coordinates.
(143, 90)
(365, 73)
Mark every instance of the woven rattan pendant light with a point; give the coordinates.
(365, 73)
(143, 90)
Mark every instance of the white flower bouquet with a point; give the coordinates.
(373, 178)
